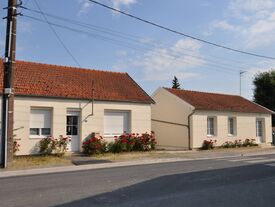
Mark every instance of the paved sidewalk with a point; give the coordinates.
(190, 155)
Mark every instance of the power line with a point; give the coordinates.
(181, 33)
(134, 38)
(121, 43)
(57, 36)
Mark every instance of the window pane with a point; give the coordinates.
(45, 131)
(69, 130)
(72, 120)
(75, 130)
(34, 131)
(210, 126)
(72, 130)
(75, 120)
(69, 120)
(259, 129)
(231, 126)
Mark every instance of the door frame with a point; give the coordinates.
(75, 112)
(260, 139)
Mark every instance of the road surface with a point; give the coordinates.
(242, 181)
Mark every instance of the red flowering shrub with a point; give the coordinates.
(207, 145)
(133, 142)
(124, 143)
(240, 143)
(94, 145)
(249, 143)
(50, 145)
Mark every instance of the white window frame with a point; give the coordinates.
(209, 133)
(112, 135)
(234, 125)
(40, 135)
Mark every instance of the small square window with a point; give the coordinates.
(34, 131)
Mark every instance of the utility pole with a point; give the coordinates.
(8, 91)
(241, 72)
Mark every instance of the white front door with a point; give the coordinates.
(73, 130)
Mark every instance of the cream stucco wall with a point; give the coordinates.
(140, 117)
(245, 123)
(170, 119)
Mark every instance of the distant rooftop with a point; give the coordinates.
(218, 102)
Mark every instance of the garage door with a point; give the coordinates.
(115, 123)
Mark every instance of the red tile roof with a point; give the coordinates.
(218, 102)
(44, 80)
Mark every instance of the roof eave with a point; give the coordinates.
(83, 99)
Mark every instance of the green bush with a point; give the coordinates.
(50, 145)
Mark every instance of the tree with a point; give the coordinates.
(175, 83)
(264, 91)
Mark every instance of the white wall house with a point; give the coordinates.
(184, 119)
(55, 100)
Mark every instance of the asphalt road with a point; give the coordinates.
(216, 182)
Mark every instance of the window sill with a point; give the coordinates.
(111, 136)
(38, 137)
(231, 135)
(210, 135)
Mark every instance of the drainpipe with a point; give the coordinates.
(189, 130)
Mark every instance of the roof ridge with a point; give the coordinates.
(205, 92)
(219, 102)
(71, 67)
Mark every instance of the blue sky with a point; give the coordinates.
(150, 55)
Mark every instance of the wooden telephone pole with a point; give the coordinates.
(8, 91)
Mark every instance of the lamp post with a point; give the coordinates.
(241, 72)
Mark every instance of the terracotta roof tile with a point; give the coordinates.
(218, 102)
(37, 79)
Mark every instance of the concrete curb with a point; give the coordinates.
(39, 171)
(74, 168)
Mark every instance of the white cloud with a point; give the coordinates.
(254, 22)
(118, 3)
(224, 25)
(85, 6)
(163, 63)
(247, 9)
(261, 32)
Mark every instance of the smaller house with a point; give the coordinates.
(184, 119)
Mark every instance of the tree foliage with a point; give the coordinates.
(175, 83)
(264, 91)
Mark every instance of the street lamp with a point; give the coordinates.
(241, 72)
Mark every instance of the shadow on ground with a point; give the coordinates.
(251, 186)
(86, 160)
